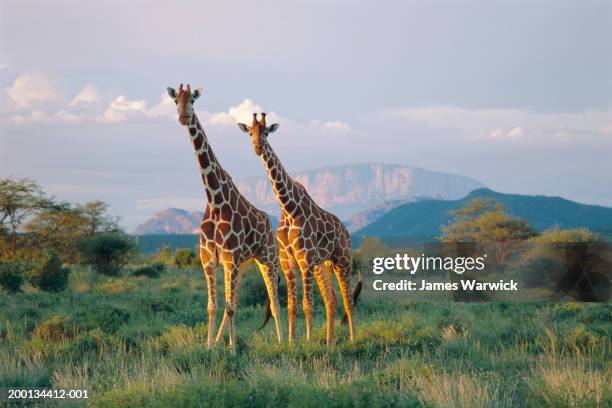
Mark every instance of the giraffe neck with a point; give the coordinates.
(213, 175)
(284, 186)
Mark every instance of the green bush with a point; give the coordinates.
(107, 253)
(253, 290)
(184, 257)
(151, 271)
(164, 256)
(48, 274)
(11, 276)
(57, 328)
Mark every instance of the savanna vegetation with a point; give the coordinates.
(86, 309)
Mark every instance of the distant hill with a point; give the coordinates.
(349, 189)
(366, 217)
(176, 221)
(423, 219)
(171, 221)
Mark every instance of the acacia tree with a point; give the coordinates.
(58, 229)
(486, 221)
(19, 199)
(97, 217)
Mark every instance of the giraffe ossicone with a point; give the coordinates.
(233, 233)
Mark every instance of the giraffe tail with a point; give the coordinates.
(355, 295)
(267, 311)
(267, 314)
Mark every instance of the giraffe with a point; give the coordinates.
(307, 235)
(232, 233)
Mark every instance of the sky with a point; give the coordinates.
(516, 94)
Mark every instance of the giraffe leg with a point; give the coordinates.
(343, 275)
(226, 321)
(269, 272)
(232, 285)
(288, 266)
(323, 275)
(307, 270)
(211, 284)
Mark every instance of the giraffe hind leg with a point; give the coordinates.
(343, 275)
(269, 273)
(323, 276)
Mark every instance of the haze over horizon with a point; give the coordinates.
(515, 95)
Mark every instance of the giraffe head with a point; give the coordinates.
(184, 99)
(259, 132)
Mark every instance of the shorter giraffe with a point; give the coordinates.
(307, 235)
(233, 232)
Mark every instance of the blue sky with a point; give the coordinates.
(516, 94)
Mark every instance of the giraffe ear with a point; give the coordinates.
(196, 94)
(243, 127)
(273, 128)
(171, 92)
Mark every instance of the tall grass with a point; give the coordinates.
(136, 341)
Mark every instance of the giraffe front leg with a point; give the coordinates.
(307, 270)
(269, 273)
(211, 283)
(288, 267)
(232, 285)
(323, 275)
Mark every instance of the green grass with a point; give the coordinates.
(137, 341)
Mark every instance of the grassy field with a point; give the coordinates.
(138, 341)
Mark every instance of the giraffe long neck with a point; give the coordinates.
(284, 186)
(213, 175)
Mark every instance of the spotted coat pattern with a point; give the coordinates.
(233, 232)
(308, 236)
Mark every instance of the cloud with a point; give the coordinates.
(243, 112)
(497, 124)
(513, 133)
(335, 125)
(165, 108)
(34, 116)
(87, 96)
(30, 88)
(119, 109)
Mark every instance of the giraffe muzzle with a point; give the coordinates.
(183, 119)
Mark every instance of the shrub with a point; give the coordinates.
(184, 257)
(107, 253)
(253, 290)
(164, 256)
(57, 328)
(151, 271)
(48, 274)
(11, 276)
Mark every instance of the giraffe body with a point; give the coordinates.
(233, 233)
(309, 238)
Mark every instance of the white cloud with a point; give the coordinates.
(29, 88)
(34, 116)
(335, 125)
(513, 133)
(165, 108)
(497, 123)
(87, 95)
(243, 112)
(119, 109)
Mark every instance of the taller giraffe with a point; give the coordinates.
(306, 233)
(233, 232)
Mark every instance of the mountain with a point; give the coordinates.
(366, 217)
(171, 221)
(349, 189)
(176, 221)
(423, 219)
